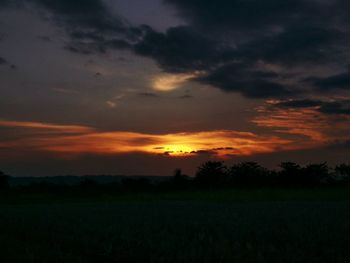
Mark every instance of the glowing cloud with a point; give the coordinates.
(90, 141)
(169, 82)
(45, 126)
(309, 127)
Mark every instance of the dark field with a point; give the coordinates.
(223, 226)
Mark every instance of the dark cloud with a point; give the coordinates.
(305, 103)
(219, 36)
(204, 152)
(8, 3)
(296, 44)
(158, 148)
(238, 77)
(223, 148)
(85, 48)
(339, 146)
(148, 94)
(90, 24)
(182, 49)
(186, 96)
(241, 15)
(227, 32)
(3, 61)
(45, 38)
(339, 81)
(342, 107)
(86, 44)
(77, 15)
(327, 107)
(91, 15)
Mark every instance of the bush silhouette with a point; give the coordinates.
(315, 174)
(291, 174)
(4, 181)
(212, 174)
(179, 179)
(248, 173)
(343, 172)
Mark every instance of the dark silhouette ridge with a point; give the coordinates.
(210, 175)
(249, 173)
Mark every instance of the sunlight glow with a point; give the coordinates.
(65, 141)
(175, 150)
(71, 141)
(169, 82)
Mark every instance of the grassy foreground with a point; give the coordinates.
(222, 226)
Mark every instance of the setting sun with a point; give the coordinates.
(175, 150)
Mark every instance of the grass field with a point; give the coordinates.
(224, 226)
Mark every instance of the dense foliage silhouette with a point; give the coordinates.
(4, 184)
(211, 174)
(180, 180)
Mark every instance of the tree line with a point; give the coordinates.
(289, 174)
(213, 175)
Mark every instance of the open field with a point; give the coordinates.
(223, 226)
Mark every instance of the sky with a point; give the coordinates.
(140, 87)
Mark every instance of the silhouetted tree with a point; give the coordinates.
(315, 174)
(4, 181)
(291, 174)
(179, 179)
(290, 168)
(212, 174)
(248, 174)
(343, 171)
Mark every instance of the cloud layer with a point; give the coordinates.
(249, 47)
(70, 140)
(279, 69)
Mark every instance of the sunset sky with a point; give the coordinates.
(141, 87)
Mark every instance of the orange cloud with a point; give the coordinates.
(311, 127)
(45, 126)
(86, 140)
(299, 122)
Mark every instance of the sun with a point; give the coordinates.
(175, 150)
